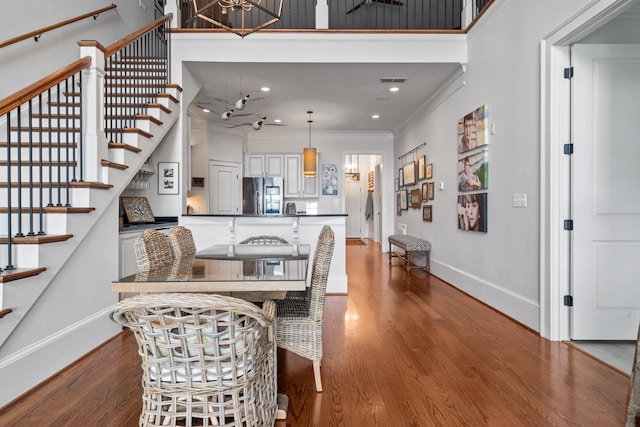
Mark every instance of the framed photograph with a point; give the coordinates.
(404, 205)
(416, 199)
(168, 178)
(197, 182)
(425, 191)
(422, 161)
(473, 129)
(397, 184)
(431, 190)
(400, 178)
(409, 173)
(398, 205)
(472, 212)
(429, 171)
(427, 213)
(473, 171)
(137, 209)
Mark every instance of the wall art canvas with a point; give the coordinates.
(473, 129)
(330, 179)
(473, 171)
(472, 212)
(404, 200)
(137, 209)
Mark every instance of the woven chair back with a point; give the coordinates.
(206, 359)
(153, 250)
(264, 240)
(181, 240)
(320, 271)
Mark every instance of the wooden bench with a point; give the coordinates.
(410, 245)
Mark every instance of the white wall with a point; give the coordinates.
(59, 47)
(500, 267)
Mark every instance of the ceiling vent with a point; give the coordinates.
(393, 79)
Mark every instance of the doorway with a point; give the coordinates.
(560, 184)
(362, 200)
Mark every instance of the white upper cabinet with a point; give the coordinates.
(254, 165)
(292, 176)
(274, 164)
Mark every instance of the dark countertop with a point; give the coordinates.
(264, 216)
(160, 224)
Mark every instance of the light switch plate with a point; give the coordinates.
(519, 200)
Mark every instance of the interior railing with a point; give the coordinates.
(401, 15)
(43, 127)
(42, 154)
(137, 67)
(36, 34)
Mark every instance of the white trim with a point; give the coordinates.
(554, 174)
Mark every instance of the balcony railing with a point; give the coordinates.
(338, 14)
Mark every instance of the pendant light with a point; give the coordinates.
(309, 153)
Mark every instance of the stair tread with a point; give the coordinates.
(37, 240)
(52, 210)
(19, 273)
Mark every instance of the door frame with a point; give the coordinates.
(555, 128)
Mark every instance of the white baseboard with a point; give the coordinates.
(519, 308)
(34, 364)
(337, 285)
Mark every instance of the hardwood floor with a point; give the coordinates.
(401, 350)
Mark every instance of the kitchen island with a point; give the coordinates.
(210, 230)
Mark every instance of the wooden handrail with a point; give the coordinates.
(39, 32)
(40, 86)
(120, 44)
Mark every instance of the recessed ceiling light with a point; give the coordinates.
(265, 89)
(394, 89)
(375, 116)
(206, 110)
(277, 120)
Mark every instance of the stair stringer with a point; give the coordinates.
(54, 256)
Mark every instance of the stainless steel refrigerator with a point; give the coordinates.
(262, 196)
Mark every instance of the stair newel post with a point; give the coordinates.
(93, 138)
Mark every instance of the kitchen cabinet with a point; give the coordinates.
(254, 165)
(296, 185)
(261, 165)
(274, 164)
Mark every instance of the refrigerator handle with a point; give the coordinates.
(258, 203)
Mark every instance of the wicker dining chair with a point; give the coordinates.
(207, 360)
(153, 250)
(299, 320)
(181, 241)
(264, 240)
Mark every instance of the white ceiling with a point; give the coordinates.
(342, 96)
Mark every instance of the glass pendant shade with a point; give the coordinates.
(309, 159)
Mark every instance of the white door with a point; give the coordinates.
(606, 201)
(355, 214)
(224, 188)
(377, 203)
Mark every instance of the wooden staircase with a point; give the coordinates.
(53, 170)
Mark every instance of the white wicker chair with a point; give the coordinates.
(153, 250)
(181, 241)
(299, 320)
(206, 359)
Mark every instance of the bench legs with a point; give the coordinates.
(406, 256)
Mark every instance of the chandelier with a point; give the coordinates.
(241, 17)
(238, 4)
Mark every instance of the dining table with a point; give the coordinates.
(251, 272)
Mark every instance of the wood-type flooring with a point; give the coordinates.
(400, 350)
